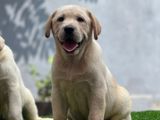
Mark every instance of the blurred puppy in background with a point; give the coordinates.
(16, 101)
(83, 86)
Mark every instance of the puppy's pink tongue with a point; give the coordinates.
(70, 46)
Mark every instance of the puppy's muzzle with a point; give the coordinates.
(70, 39)
(69, 30)
(69, 34)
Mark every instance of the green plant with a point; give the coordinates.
(43, 84)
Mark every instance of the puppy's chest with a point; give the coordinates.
(4, 82)
(5, 79)
(75, 88)
(5, 85)
(77, 93)
(76, 85)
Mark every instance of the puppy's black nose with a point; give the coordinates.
(69, 29)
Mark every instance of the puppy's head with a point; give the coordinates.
(72, 26)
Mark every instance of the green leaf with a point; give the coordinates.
(50, 59)
(33, 70)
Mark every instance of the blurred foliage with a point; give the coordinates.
(22, 25)
(43, 84)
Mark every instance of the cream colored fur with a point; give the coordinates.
(15, 98)
(83, 86)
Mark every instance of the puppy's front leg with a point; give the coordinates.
(97, 104)
(15, 105)
(59, 105)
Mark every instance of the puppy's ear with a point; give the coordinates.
(48, 26)
(2, 43)
(95, 25)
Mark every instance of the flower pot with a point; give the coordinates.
(44, 108)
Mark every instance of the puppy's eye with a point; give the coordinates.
(60, 19)
(80, 19)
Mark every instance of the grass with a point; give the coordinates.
(146, 115)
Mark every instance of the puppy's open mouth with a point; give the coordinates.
(71, 45)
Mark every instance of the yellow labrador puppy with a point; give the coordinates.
(83, 86)
(15, 98)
